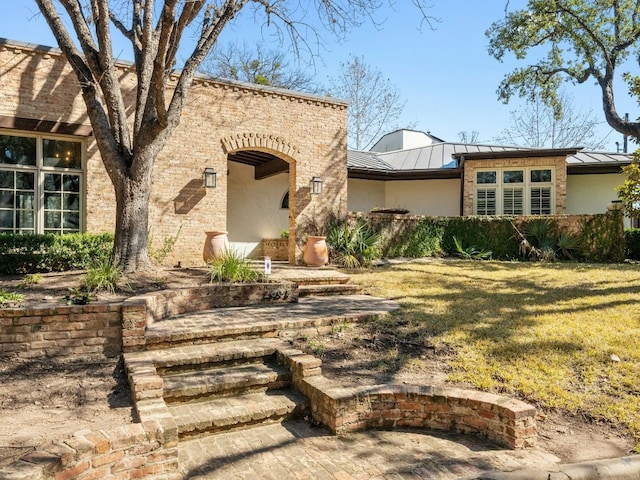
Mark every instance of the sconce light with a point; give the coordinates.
(209, 178)
(316, 186)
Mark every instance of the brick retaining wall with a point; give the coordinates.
(503, 420)
(60, 331)
(141, 311)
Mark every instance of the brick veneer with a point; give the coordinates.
(61, 331)
(558, 164)
(276, 248)
(219, 119)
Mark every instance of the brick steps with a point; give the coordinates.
(193, 357)
(264, 322)
(225, 380)
(210, 371)
(329, 289)
(225, 413)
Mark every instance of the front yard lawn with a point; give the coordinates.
(558, 335)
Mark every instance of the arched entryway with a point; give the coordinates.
(260, 172)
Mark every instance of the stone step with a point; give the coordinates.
(192, 357)
(329, 289)
(268, 321)
(226, 413)
(307, 276)
(225, 381)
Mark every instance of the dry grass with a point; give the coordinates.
(544, 332)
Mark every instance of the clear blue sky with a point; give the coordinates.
(446, 75)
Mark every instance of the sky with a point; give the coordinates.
(445, 74)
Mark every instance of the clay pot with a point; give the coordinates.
(315, 252)
(216, 245)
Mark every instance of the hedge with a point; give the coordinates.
(600, 238)
(632, 243)
(20, 254)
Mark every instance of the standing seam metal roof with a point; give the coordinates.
(439, 156)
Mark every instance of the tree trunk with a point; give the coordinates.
(132, 224)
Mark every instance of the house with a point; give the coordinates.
(428, 176)
(275, 159)
(266, 148)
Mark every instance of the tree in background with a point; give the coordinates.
(583, 40)
(257, 65)
(537, 125)
(375, 105)
(156, 30)
(467, 136)
(629, 191)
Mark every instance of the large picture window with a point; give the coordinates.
(514, 191)
(41, 181)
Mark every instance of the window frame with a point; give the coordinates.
(40, 170)
(502, 185)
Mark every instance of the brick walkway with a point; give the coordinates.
(295, 450)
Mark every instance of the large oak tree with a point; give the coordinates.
(569, 40)
(156, 30)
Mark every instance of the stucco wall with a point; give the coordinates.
(364, 195)
(425, 197)
(592, 193)
(219, 118)
(254, 211)
(420, 197)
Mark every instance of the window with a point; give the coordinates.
(284, 203)
(40, 184)
(520, 191)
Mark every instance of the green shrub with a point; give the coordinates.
(422, 240)
(234, 268)
(493, 234)
(632, 243)
(352, 246)
(20, 254)
(598, 238)
(10, 298)
(103, 276)
(471, 252)
(158, 255)
(602, 238)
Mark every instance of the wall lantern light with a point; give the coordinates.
(209, 178)
(316, 186)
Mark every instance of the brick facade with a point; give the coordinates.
(38, 88)
(557, 163)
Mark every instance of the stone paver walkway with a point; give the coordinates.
(295, 450)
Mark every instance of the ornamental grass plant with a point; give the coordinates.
(558, 335)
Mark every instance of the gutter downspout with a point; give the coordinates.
(461, 166)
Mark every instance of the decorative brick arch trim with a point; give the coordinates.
(262, 142)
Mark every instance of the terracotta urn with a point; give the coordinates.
(315, 251)
(216, 245)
